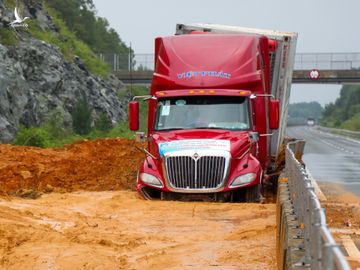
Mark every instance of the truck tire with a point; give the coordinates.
(253, 194)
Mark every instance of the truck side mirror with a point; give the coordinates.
(140, 137)
(274, 114)
(254, 137)
(134, 115)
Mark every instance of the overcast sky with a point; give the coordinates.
(322, 25)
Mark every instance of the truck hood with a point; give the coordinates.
(236, 142)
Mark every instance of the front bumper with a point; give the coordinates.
(177, 178)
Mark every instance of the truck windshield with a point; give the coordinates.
(208, 112)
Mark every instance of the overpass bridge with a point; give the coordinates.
(333, 68)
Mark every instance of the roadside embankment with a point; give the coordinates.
(106, 164)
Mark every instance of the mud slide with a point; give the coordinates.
(87, 216)
(116, 230)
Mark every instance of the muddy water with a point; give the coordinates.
(117, 230)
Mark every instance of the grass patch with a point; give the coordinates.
(7, 37)
(10, 4)
(353, 123)
(32, 136)
(42, 137)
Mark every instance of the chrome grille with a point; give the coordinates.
(205, 172)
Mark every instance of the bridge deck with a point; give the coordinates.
(335, 68)
(299, 77)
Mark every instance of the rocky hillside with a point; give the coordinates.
(36, 79)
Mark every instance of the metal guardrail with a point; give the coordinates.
(303, 61)
(321, 250)
(342, 132)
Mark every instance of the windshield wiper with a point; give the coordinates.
(209, 128)
(168, 129)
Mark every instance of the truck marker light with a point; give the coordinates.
(212, 92)
(243, 92)
(202, 91)
(191, 92)
(161, 94)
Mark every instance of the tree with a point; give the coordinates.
(80, 17)
(345, 111)
(103, 123)
(82, 117)
(300, 112)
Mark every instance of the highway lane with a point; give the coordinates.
(330, 158)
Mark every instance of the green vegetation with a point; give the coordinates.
(7, 37)
(54, 134)
(345, 112)
(137, 90)
(69, 44)
(82, 118)
(80, 18)
(81, 33)
(103, 123)
(41, 136)
(300, 112)
(55, 125)
(32, 137)
(10, 3)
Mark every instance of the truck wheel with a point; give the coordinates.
(253, 194)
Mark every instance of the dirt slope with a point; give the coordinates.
(108, 164)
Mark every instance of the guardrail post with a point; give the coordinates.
(308, 227)
(316, 240)
(328, 257)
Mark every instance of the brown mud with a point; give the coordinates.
(86, 215)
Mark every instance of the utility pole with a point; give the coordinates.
(130, 69)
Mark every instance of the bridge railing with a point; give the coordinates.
(127, 62)
(327, 61)
(321, 250)
(303, 61)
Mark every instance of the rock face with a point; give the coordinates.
(36, 80)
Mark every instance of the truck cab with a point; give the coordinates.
(211, 116)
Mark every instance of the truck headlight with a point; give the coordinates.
(151, 180)
(242, 180)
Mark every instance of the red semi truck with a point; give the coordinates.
(217, 112)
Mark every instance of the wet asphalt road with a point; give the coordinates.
(330, 158)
